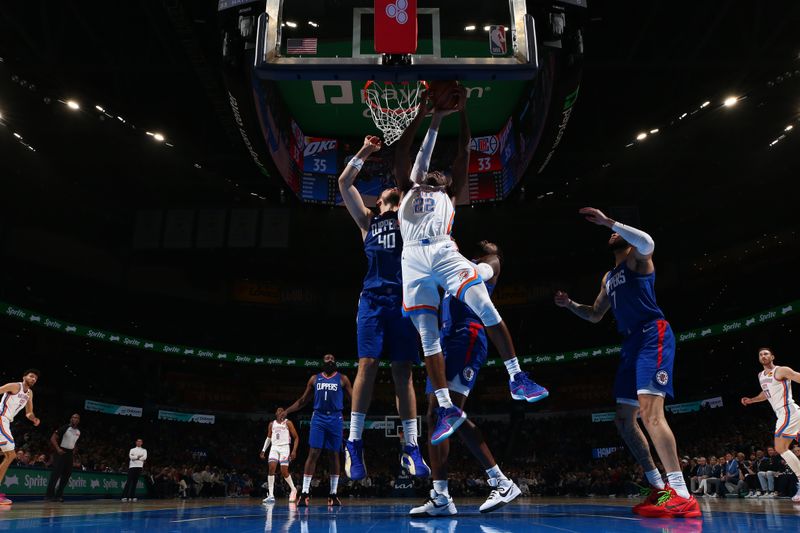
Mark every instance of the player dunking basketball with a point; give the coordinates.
(431, 260)
(776, 388)
(381, 326)
(15, 397)
(281, 434)
(644, 377)
(327, 389)
(465, 351)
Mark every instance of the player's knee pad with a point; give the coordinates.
(428, 327)
(477, 298)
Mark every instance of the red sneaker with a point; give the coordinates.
(670, 505)
(651, 498)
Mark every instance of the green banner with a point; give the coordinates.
(31, 317)
(112, 409)
(33, 482)
(185, 417)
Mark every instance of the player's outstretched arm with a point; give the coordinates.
(461, 162)
(12, 388)
(295, 439)
(643, 244)
(304, 399)
(402, 148)
(755, 399)
(350, 195)
(593, 313)
(784, 372)
(29, 411)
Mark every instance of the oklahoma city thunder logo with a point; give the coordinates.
(662, 377)
(463, 275)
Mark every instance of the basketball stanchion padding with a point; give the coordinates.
(396, 26)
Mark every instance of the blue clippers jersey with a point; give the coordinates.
(456, 313)
(632, 297)
(383, 247)
(328, 393)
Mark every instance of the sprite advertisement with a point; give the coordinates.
(21, 481)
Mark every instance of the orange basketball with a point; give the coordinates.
(443, 94)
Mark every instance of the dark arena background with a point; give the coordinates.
(176, 258)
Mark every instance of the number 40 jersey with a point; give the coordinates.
(383, 247)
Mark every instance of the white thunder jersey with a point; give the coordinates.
(425, 213)
(11, 404)
(280, 434)
(779, 395)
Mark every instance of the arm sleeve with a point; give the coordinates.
(267, 442)
(637, 238)
(423, 160)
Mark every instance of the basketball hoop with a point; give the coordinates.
(393, 105)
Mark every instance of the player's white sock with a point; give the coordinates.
(356, 426)
(512, 365)
(271, 485)
(334, 484)
(440, 486)
(443, 397)
(678, 484)
(793, 462)
(410, 431)
(306, 483)
(288, 480)
(495, 473)
(654, 478)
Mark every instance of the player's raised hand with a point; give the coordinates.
(595, 216)
(462, 98)
(746, 401)
(562, 299)
(372, 144)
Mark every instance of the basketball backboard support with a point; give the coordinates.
(325, 26)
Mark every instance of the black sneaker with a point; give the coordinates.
(333, 501)
(304, 500)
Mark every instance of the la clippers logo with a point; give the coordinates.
(469, 374)
(397, 11)
(662, 377)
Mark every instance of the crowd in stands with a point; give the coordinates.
(726, 452)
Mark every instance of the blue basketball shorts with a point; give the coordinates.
(648, 355)
(465, 350)
(326, 431)
(382, 329)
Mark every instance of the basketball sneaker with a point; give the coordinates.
(269, 499)
(796, 497)
(437, 505)
(304, 500)
(354, 465)
(651, 497)
(412, 461)
(4, 500)
(670, 505)
(449, 421)
(505, 491)
(334, 501)
(293, 496)
(524, 388)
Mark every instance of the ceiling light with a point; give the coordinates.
(312, 23)
(705, 104)
(100, 109)
(642, 136)
(654, 130)
(486, 28)
(469, 28)
(150, 133)
(730, 101)
(683, 116)
(17, 135)
(158, 137)
(72, 104)
(787, 128)
(291, 24)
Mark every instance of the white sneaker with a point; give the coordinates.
(435, 526)
(134, 500)
(505, 492)
(268, 499)
(124, 500)
(751, 494)
(774, 494)
(437, 505)
(293, 496)
(796, 497)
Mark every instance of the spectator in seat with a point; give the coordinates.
(768, 471)
(701, 472)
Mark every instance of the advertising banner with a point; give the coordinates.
(21, 481)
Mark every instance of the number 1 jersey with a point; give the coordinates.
(383, 247)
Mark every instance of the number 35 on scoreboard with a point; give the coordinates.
(484, 154)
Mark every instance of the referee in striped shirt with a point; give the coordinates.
(63, 441)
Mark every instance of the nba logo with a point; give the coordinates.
(497, 40)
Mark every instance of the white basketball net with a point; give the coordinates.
(393, 105)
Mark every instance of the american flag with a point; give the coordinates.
(301, 46)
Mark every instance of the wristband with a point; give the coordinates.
(356, 163)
